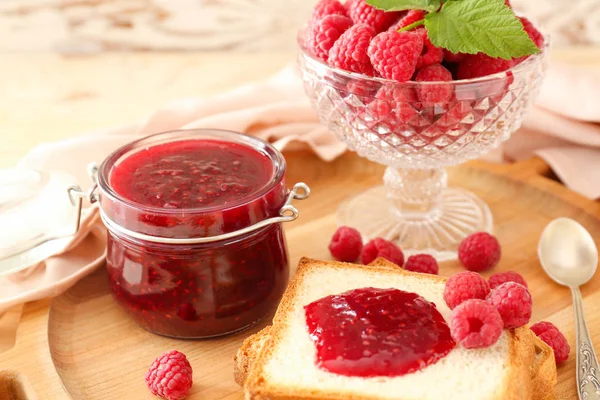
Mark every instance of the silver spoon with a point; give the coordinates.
(569, 256)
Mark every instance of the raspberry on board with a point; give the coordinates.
(479, 252)
(434, 93)
(363, 13)
(465, 286)
(423, 263)
(430, 54)
(349, 52)
(475, 324)
(328, 7)
(170, 376)
(503, 277)
(394, 55)
(380, 247)
(555, 339)
(542, 326)
(514, 303)
(323, 33)
(478, 65)
(346, 244)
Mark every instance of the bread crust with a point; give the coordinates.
(518, 383)
(544, 378)
(247, 354)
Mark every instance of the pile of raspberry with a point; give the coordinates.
(347, 245)
(481, 309)
(477, 252)
(356, 37)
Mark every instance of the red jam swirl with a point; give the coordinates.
(377, 332)
(205, 187)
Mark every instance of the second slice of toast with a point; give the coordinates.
(285, 367)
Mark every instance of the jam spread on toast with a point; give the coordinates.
(377, 332)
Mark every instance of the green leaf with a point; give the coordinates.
(474, 26)
(400, 5)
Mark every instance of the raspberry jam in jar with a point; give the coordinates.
(195, 240)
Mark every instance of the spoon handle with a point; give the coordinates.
(588, 371)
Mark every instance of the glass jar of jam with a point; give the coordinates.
(195, 240)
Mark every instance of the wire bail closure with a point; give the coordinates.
(287, 213)
(76, 195)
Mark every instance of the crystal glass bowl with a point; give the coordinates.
(396, 124)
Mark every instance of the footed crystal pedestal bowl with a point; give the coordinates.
(396, 125)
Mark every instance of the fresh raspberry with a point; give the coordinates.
(394, 55)
(394, 106)
(364, 89)
(507, 2)
(410, 18)
(542, 326)
(350, 50)
(346, 244)
(555, 339)
(477, 65)
(328, 7)
(363, 13)
(170, 376)
(453, 57)
(423, 263)
(465, 286)
(479, 252)
(430, 54)
(475, 324)
(380, 247)
(503, 277)
(438, 93)
(513, 302)
(324, 33)
(535, 35)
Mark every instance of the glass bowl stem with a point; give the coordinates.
(415, 193)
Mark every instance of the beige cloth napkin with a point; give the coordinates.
(564, 128)
(562, 132)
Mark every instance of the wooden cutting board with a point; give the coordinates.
(86, 348)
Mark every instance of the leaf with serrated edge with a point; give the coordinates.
(473, 26)
(401, 5)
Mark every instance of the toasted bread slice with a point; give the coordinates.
(246, 355)
(285, 367)
(544, 371)
(253, 344)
